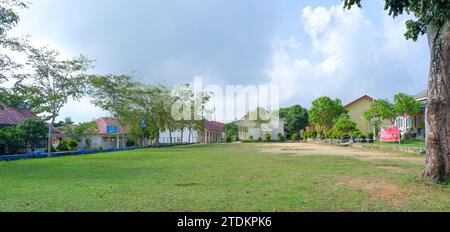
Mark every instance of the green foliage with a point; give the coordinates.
(345, 125)
(8, 20)
(229, 139)
(406, 104)
(267, 137)
(296, 118)
(382, 110)
(259, 139)
(325, 111)
(294, 137)
(12, 138)
(67, 145)
(426, 11)
(236, 138)
(281, 137)
(250, 138)
(33, 131)
(231, 129)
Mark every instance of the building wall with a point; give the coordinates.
(356, 111)
(164, 137)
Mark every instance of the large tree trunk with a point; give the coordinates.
(438, 108)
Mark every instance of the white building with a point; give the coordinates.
(248, 127)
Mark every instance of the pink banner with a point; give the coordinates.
(389, 134)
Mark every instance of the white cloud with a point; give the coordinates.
(352, 51)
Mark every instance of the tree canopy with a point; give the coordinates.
(426, 12)
(296, 117)
(325, 112)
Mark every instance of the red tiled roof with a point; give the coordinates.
(213, 126)
(14, 116)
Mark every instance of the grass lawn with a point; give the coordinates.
(409, 143)
(219, 177)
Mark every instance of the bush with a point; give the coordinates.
(313, 134)
(267, 137)
(100, 148)
(63, 146)
(357, 134)
(370, 135)
(250, 138)
(130, 143)
(236, 138)
(67, 145)
(259, 139)
(229, 139)
(281, 137)
(294, 137)
(73, 145)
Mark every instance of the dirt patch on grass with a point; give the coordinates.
(392, 169)
(303, 149)
(393, 194)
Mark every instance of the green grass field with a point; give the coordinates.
(220, 177)
(409, 143)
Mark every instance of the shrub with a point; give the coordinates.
(229, 139)
(329, 134)
(370, 135)
(73, 145)
(259, 139)
(267, 137)
(130, 143)
(281, 137)
(63, 146)
(250, 138)
(236, 138)
(313, 134)
(100, 148)
(294, 137)
(67, 145)
(357, 134)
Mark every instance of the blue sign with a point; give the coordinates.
(112, 129)
(143, 124)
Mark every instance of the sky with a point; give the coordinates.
(308, 48)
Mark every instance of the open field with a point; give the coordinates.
(223, 177)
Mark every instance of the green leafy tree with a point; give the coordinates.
(231, 129)
(12, 138)
(56, 81)
(111, 93)
(345, 125)
(297, 118)
(325, 111)
(406, 105)
(381, 110)
(33, 131)
(24, 97)
(9, 19)
(433, 18)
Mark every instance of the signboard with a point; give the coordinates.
(143, 124)
(112, 129)
(390, 134)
